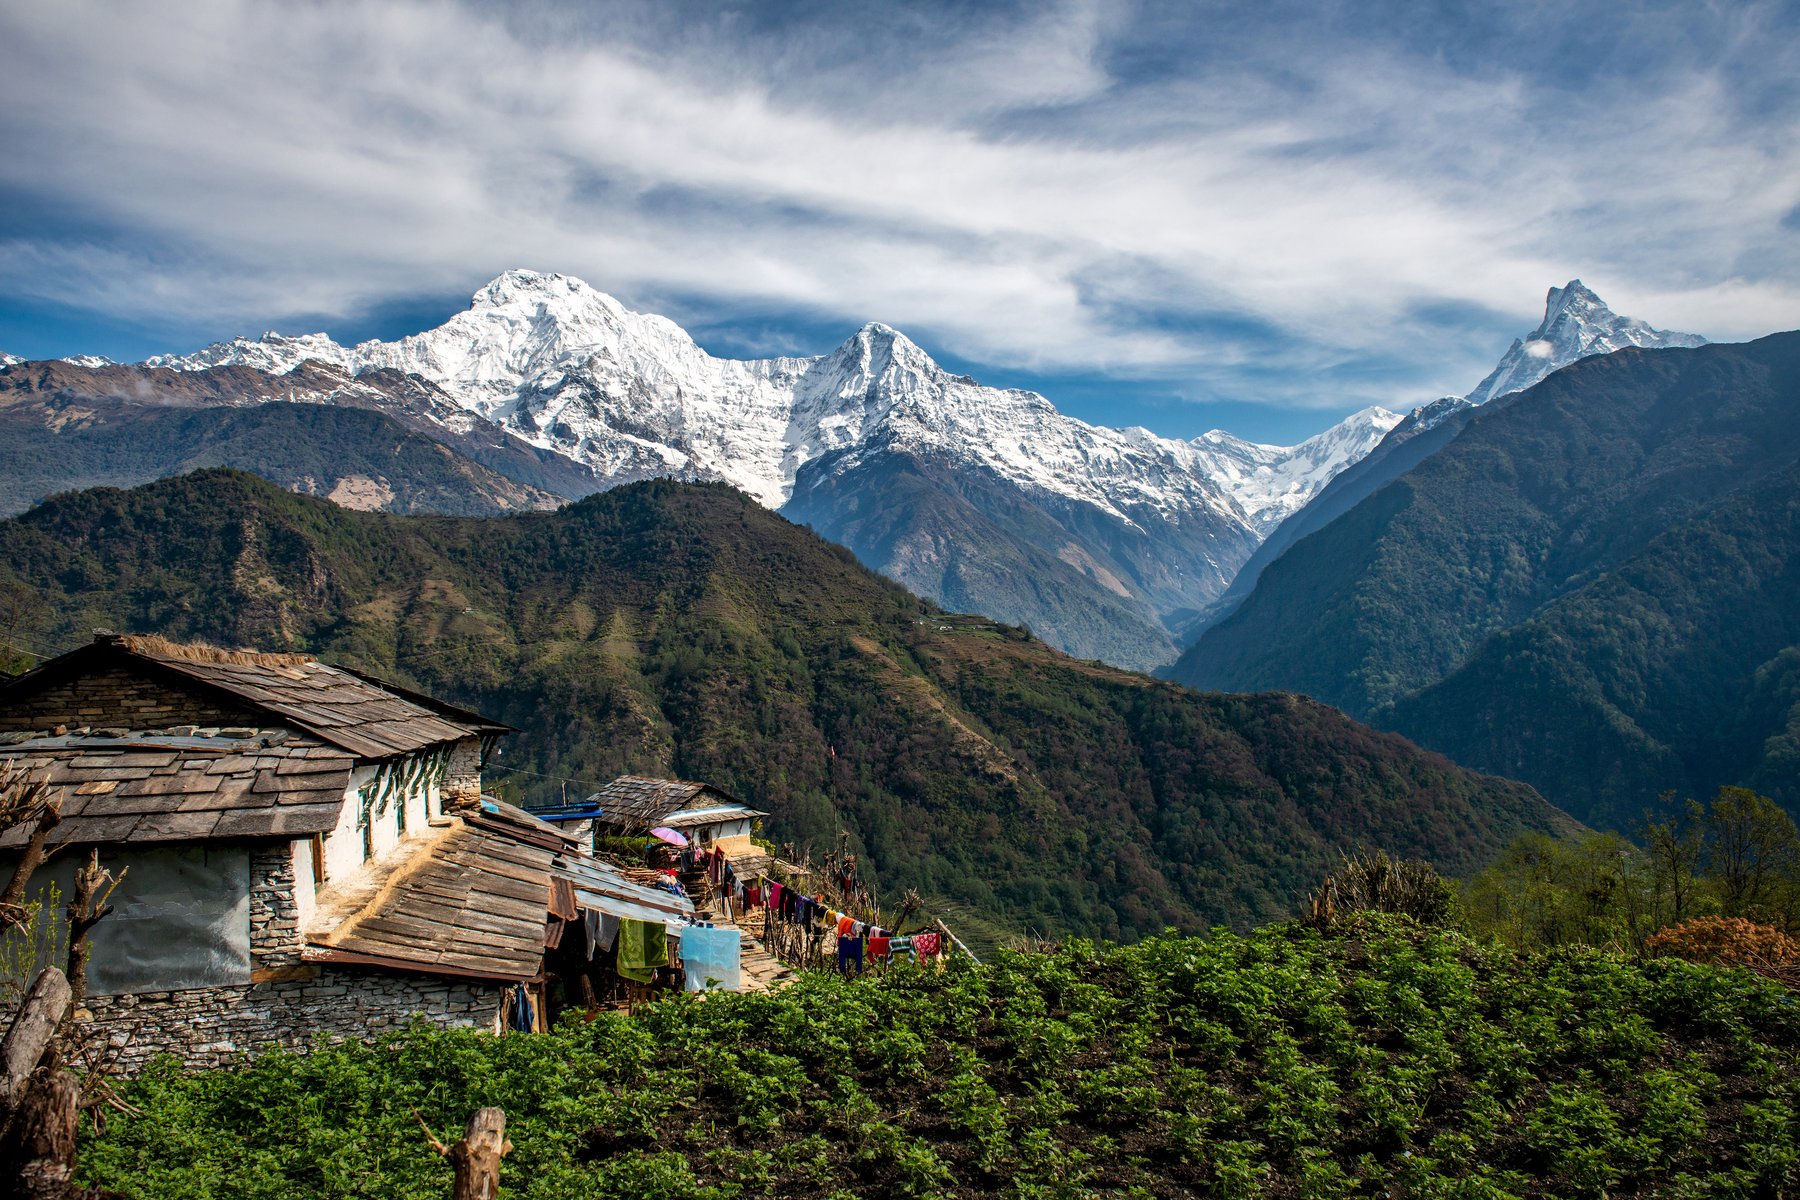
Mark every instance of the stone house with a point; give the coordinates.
(706, 815)
(307, 850)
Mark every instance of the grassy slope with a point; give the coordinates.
(1397, 1063)
(683, 629)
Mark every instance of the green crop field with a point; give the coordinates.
(1393, 1060)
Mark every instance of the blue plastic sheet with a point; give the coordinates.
(709, 955)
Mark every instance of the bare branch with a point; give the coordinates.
(24, 800)
(443, 1150)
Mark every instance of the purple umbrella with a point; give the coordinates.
(668, 835)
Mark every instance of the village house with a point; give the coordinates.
(706, 815)
(307, 850)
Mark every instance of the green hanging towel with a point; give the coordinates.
(642, 947)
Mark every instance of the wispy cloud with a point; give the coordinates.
(1179, 196)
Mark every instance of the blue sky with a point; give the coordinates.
(1257, 216)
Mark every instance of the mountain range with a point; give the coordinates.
(986, 499)
(1113, 544)
(1577, 324)
(683, 629)
(1591, 586)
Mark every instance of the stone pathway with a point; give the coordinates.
(758, 970)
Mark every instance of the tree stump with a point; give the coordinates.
(40, 1144)
(32, 1029)
(477, 1156)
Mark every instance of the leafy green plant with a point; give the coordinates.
(1278, 1062)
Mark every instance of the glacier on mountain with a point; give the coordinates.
(631, 395)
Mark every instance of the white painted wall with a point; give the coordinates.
(344, 844)
(306, 892)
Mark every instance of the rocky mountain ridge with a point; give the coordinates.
(1577, 325)
(629, 393)
(1145, 527)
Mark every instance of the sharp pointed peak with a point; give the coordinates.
(1573, 294)
(881, 332)
(876, 337)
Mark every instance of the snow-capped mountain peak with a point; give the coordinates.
(1576, 325)
(630, 394)
(1274, 482)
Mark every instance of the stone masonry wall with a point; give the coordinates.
(208, 1027)
(462, 776)
(119, 699)
(275, 937)
(288, 1002)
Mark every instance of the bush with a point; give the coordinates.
(1381, 883)
(1724, 941)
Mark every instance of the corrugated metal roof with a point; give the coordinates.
(708, 816)
(184, 789)
(599, 884)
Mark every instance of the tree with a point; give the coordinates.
(1676, 848)
(1754, 856)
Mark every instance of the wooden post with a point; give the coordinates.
(38, 1016)
(477, 1157)
(38, 1109)
(956, 941)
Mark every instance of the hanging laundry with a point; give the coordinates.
(710, 957)
(592, 920)
(849, 950)
(642, 948)
(609, 931)
(521, 1016)
(901, 947)
(845, 924)
(927, 944)
(878, 947)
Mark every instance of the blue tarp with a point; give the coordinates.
(709, 955)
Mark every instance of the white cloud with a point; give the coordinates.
(1009, 199)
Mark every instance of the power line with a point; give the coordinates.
(541, 775)
(31, 648)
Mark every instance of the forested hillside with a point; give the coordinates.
(1591, 588)
(682, 628)
(360, 458)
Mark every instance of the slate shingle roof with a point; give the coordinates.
(342, 707)
(152, 789)
(639, 802)
(339, 706)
